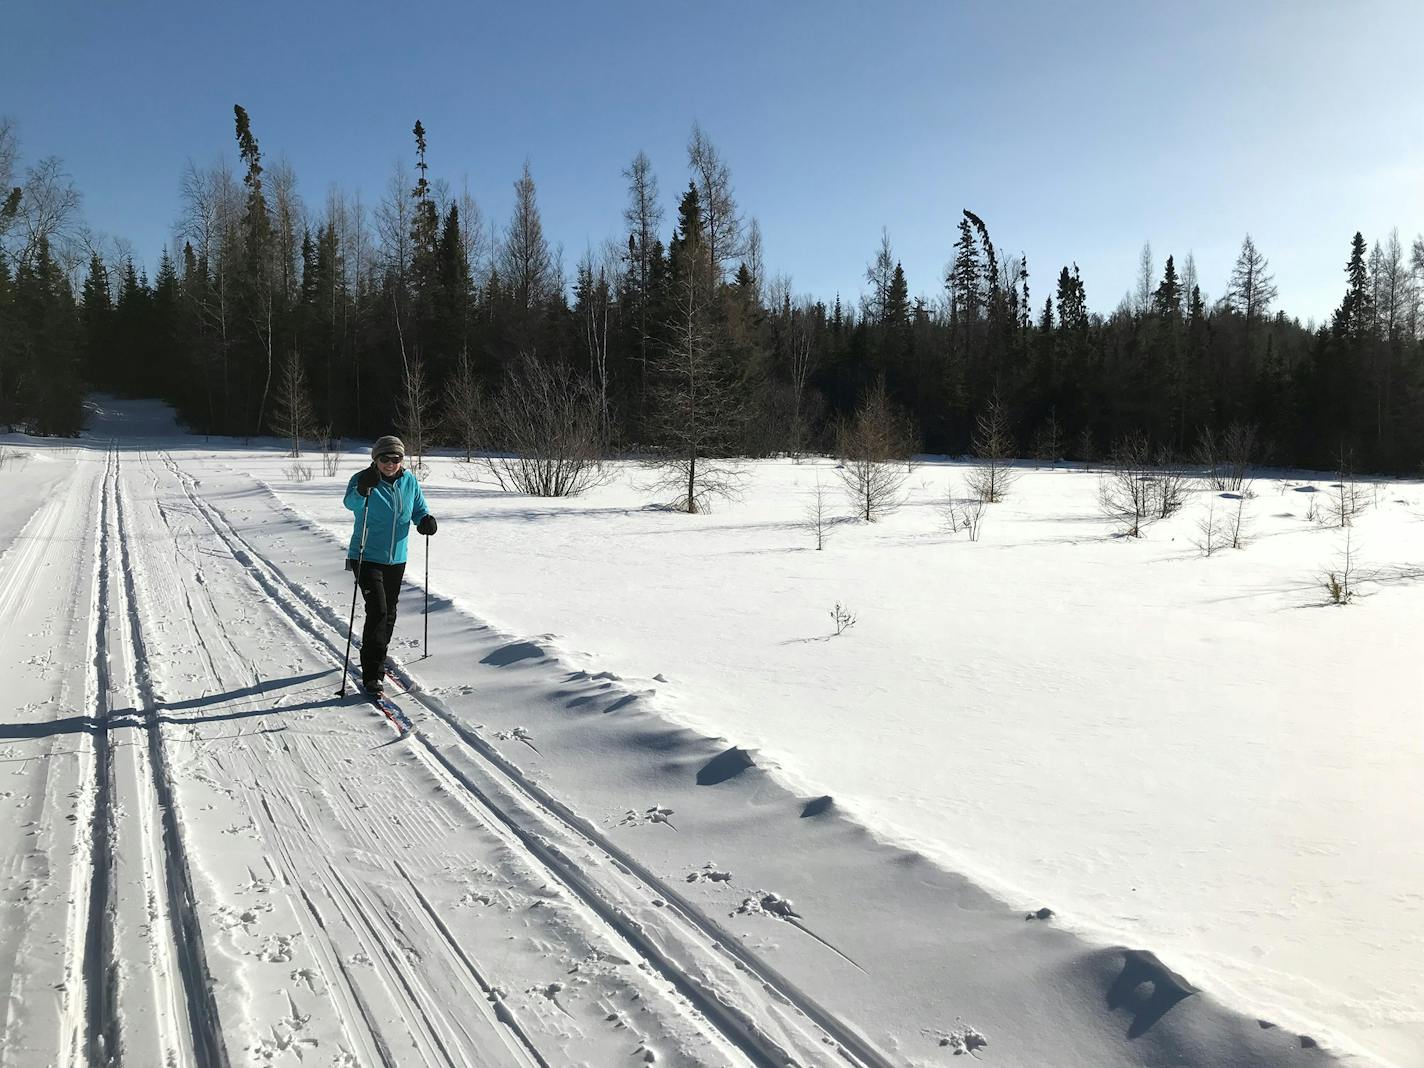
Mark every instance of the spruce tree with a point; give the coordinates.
(256, 281)
(1167, 300)
(98, 312)
(1354, 319)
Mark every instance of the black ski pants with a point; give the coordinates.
(380, 586)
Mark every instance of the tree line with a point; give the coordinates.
(274, 315)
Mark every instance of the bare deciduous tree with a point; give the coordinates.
(1212, 535)
(720, 216)
(1048, 444)
(393, 223)
(413, 414)
(874, 448)
(1126, 488)
(292, 414)
(1238, 526)
(1347, 497)
(595, 302)
(818, 519)
(801, 346)
(544, 422)
(994, 445)
(1339, 581)
(465, 406)
(1142, 299)
(643, 216)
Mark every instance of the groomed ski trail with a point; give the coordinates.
(321, 904)
(754, 1008)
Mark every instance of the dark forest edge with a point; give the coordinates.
(420, 314)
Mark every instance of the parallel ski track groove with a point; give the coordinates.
(324, 949)
(420, 1014)
(204, 1024)
(743, 1034)
(100, 968)
(501, 1011)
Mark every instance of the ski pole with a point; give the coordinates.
(427, 596)
(355, 585)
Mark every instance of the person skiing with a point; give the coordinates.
(386, 499)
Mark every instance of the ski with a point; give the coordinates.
(400, 686)
(399, 720)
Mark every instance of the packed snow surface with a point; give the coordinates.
(630, 827)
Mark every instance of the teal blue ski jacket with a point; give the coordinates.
(395, 504)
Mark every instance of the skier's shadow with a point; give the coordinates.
(140, 717)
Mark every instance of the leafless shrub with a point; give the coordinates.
(1347, 498)
(330, 451)
(1127, 487)
(842, 618)
(1170, 486)
(298, 471)
(874, 448)
(966, 514)
(547, 419)
(1226, 461)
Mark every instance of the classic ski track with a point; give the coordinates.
(527, 800)
(416, 1002)
(99, 966)
(204, 1026)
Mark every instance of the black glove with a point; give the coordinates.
(366, 480)
(426, 525)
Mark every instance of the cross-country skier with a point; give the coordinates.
(386, 499)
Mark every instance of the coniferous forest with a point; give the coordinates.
(275, 315)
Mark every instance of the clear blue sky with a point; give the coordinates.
(1077, 131)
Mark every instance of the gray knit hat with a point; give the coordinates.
(389, 443)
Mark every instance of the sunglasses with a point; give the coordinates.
(390, 458)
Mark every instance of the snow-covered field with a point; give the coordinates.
(1180, 755)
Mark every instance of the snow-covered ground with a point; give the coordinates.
(1181, 755)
